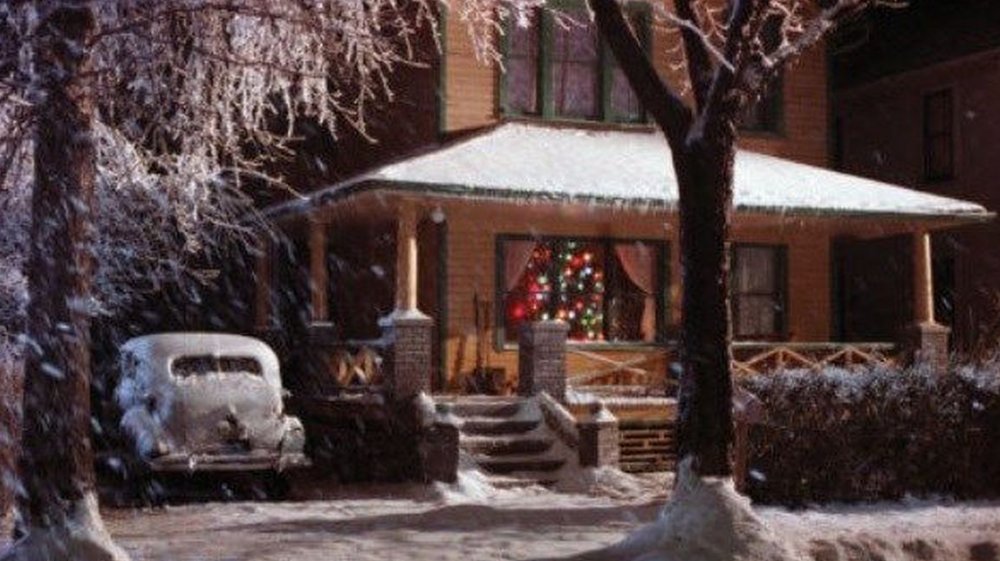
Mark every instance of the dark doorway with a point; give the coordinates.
(872, 284)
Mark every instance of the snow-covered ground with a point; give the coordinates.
(471, 522)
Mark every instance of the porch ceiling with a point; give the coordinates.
(535, 162)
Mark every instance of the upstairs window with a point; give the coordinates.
(558, 67)
(605, 290)
(939, 156)
(757, 287)
(766, 114)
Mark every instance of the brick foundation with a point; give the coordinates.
(408, 361)
(541, 363)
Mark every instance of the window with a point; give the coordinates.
(767, 113)
(562, 69)
(605, 290)
(757, 285)
(939, 160)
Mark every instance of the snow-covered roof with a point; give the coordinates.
(537, 161)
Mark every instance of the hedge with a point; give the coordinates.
(880, 434)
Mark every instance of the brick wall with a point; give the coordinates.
(881, 127)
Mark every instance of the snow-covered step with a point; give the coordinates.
(518, 463)
(522, 480)
(487, 408)
(498, 425)
(506, 444)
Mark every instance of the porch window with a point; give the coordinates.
(758, 292)
(557, 66)
(606, 290)
(939, 158)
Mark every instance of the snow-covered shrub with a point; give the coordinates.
(876, 434)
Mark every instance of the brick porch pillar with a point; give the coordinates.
(928, 340)
(541, 359)
(407, 330)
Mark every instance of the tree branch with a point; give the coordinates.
(667, 108)
(741, 14)
(699, 65)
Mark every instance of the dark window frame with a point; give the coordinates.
(642, 14)
(779, 295)
(662, 290)
(946, 133)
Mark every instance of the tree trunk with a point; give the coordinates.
(57, 469)
(705, 183)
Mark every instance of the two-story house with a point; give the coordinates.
(543, 192)
(915, 103)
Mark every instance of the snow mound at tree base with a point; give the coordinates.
(705, 520)
(82, 538)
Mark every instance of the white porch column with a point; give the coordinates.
(930, 339)
(319, 311)
(923, 278)
(406, 258)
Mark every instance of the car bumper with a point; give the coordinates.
(228, 462)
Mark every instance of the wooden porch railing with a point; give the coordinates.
(759, 358)
(648, 368)
(640, 368)
(356, 365)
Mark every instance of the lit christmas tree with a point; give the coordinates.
(563, 281)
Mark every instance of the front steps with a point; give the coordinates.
(508, 440)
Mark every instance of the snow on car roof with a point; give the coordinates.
(538, 161)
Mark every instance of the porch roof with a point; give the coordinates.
(528, 161)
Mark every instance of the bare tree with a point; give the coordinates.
(162, 112)
(732, 50)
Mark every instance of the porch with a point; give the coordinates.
(452, 252)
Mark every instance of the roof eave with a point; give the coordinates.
(345, 191)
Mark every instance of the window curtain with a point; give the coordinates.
(639, 263)
(516, 255)
(755, 286)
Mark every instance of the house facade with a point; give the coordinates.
(915, 105)
(547, 195)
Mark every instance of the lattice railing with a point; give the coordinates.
(760, 358)
(627, 370)
(357, 364)
(648, 368)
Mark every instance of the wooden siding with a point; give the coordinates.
(472, 95)
(474, 226)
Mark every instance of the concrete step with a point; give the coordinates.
(497, 426)
(486, 408)
(505, 445)
(518, 463)
(521, 481)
